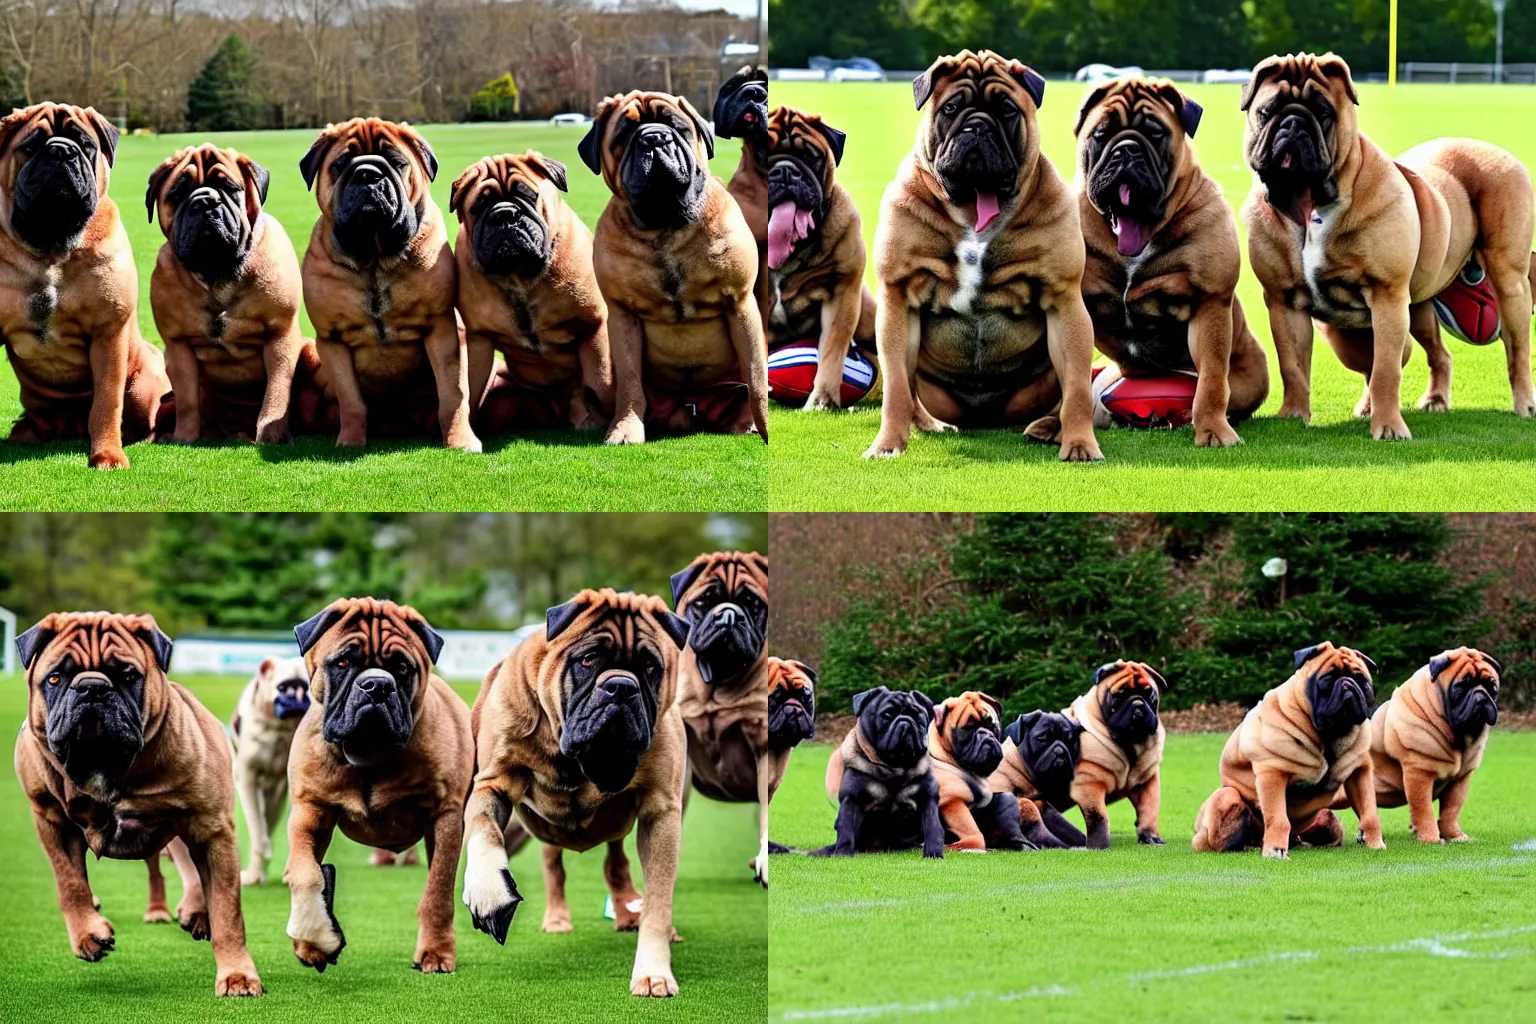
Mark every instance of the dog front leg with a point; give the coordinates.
(181, 368)
(956, 816)
(1291, 330)
(626, 344)
(1361, 790)
(627, 901)
(1271, 786)
(157, 912)
(489, 890)
(1389, 329)
(1147, 799)
(312, 925)
(658, 836)
(839, 318)
(445, 351)
(1091, 799)
(1210, 346)
(850, 821)
(90, 934)
(436, 948)
(1069, 339)
(899, 335)
(596, 359)
(1419, 791)
(336, 360)
(218, 864)
(480, 356)
(557, 912)
(280, 357)
(1451, 802)
(1061, 828)
(929, 820)
(764, 798)
(109, 379)
(751, 344)
(192, 908)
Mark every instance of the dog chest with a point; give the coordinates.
(1333, 297)
(578, 819)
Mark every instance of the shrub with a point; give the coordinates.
(496, 100)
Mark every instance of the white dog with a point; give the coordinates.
(265, 720)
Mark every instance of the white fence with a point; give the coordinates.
(467, 654)
(1420, 71)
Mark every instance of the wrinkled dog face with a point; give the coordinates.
(971, 727)
(372, 177)
(1470, 680)
(654, 150)
(54, 171)
(1301, 125)
(285, 683)
(500, 202)
(1128, 691)
(741, 106)
(1050, 744)
(1339, 688)
(724, 598)
(895, 722)
(91, 669)
(802, 153)
(209, 201)
(791, 703)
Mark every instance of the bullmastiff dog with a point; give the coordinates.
(1121, 749)
(118, 759)
(979, 252)
(385, 754)
(579, 732)
(379, 286)
(1428, 738)
(527, 292)
(1341, 234)
(815, 251)
(266, 717)
(69, 293)
(1282, 767)
(225, 293)
(791, 717)
(881, 778)
(965, 745)
(741, 112)
(1040, 755)
(677, 263)
(1163, 257)
(723, 684)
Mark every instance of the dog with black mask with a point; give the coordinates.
(791, 703)
(1284, 765)
(1121, 749)
(677, 264)
(385, 754)
(226, 293)
(882, 780)
(265, 719)
(1040, 755)
(741, 112)
(118, 759)
(578, 731)
(965, 743)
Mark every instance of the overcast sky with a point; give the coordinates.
(746, 8)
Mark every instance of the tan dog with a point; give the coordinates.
(815, 251)
(1163, 257)
(1340, 233)
(1121, 749)
(528, 292)
(979, 252)
(225, 292)
(676, 262)
(266, 717)
(1428, 738)
(723, 684)
(385, 754)
(120, 760)
(379, 286)
(1283, 765)
(69, 293)
(965, 746)
(578, 731)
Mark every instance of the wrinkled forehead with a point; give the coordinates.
(90, 643)
(203, 163)
(370, 137)
(56, 119)
(966, 710)
(1469, 663)
(790, 129)
(728, 574)
(976, 78)
(1131, 678)
(1297, 81)
(375, 632)
(789, 677)
(1343, 660)
(1127, 100)
(616, 625)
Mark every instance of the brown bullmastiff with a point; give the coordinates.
(578, 730)
(1342, 234)
(1282, 767)
(69, 293)
(1120, 750)
(965, 746)
(385, 754)
(723, 684)
(815, 251)
(379, 286)
(741, 112)
(676, 262)
(979, 252)
(528, 292)
(1163, 257)
(225, 293)
(118, 759)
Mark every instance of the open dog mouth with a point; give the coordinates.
(977, 171)
(1132, 228)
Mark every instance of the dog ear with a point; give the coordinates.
(1262, 72)
(31, 643)
(430, 638)
(705, 129)
(423, 150)
(922, 85)
(462, 186)
(835, 140)
(677, 628)
(267, 667)
(681, 581)
(1334, 66)
(148, 631)
(810, 673)
(106, 133)
(1189, 116)
(1305, 654)
(1105, 669)
(1368, 662)
(314, 627)
(940, 711)
(1016, 729)
(860, 699)
(1439, 663)
(1490, 659)
(1030, 79)
(742, 76)
(1090, 101)
(559, 618)
(255, 175)
(923, 699)
(553, 169)
(1162, 684)
(995, 704)
(157, 181)
(314, 160)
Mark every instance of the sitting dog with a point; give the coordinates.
(1040, 755)
(965, 746)
(385, 755)
(118, 759)
(266, 717)
(881, 778)
(1121, 749)
(578, 731)
(791, 718)
(741, 112)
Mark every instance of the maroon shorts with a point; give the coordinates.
(718, 408)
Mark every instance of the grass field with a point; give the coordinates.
(1479, 457)
(560, 470)
(158, 973)
(1161, 933)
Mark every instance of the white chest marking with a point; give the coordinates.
(969, 255)
(1314, 247)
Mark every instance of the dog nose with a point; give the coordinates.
(60, 147)
(621, 687)
(655, 136)
(726, 616)
(92, 687)
(376, 684)
(367, 174)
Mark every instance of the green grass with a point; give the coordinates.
(562, 470)
(158, 973)
(1163, 933)
(1479, 457)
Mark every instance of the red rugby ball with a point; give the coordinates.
(1165, 401)
(792, 374)
(1468, 307)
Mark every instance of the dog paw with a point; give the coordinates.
(492, 899)
(933, 853)
(823, 400)
(1277, 852)
(1150, 838)
(110, 459)
(760, 869)
(276, 432)
(1363, 408)
(317, 936)
(430, 961)
(1295, 411)
(1219, 436)
(95, 940)
(1525, 408)
(194, 923)
(352, 438)
(556, 922)
(1433, 403)
(886, 446)
(626, 913)
(237, 983)
(1459, 837)
(1045, 430)
(654, 984)
(629, 430)
(1391, 430)
(465, 442)
(157, 915)
(311, 955)
(250, 876)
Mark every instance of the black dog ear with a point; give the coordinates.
(554, 170)
(705, 129)
(31, 643)
(312, 162)
(1033, 84)
(1190, 116)
(261, 178)
(1494, 662)
(681, 581)
(860, 699)
(835, 140)
(809, 672)
(923, 699)
(1438, 664)
(677, 628)
(1021, 725)
(587, 147)
(1305, 654)
(1104, 670)
(158, 642)
(156, 180)
(429, 637)
(1162, 684)
(106, 132)
(1089, 102)
(314, 627)
(559, 618)
(1368, 662)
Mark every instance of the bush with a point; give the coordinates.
(496, 100)
(224, 96)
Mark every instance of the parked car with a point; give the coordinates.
(1104, 72)
(570, 119)
(850, 64)
(1236, 76)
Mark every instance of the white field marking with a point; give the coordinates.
(1433, 945)
(1529, 844)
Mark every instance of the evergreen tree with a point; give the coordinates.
(224, 96)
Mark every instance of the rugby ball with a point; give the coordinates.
(1468, 308)
(792, 374)
(1165, 401)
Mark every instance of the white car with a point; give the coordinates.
(570, 119)
(1236, 76)
(1105, 72)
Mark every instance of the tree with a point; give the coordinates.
(225, 96)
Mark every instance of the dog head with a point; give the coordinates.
(369, 663)
(741, 106)
(803, 152)
(1050, 744)
(618, 670)
(209, 201)
(1301, 128)
(282, 685)
(724, 598)
(95, 680)
(1469, 682)
(1128, 693)
(1133, 147)
(1337, 682)
(970, 727)
(504, 204)
(371, 177)
(978, 135)
(791, 703)
(55, 160)
(895, 722)
(653, 150)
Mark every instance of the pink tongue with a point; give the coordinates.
(1132, 238)
(781, 234)
(1125, 195)
(986, 209)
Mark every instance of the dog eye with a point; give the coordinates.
(54, 679)
(951, 108)
(588, 660)
(343, 663)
